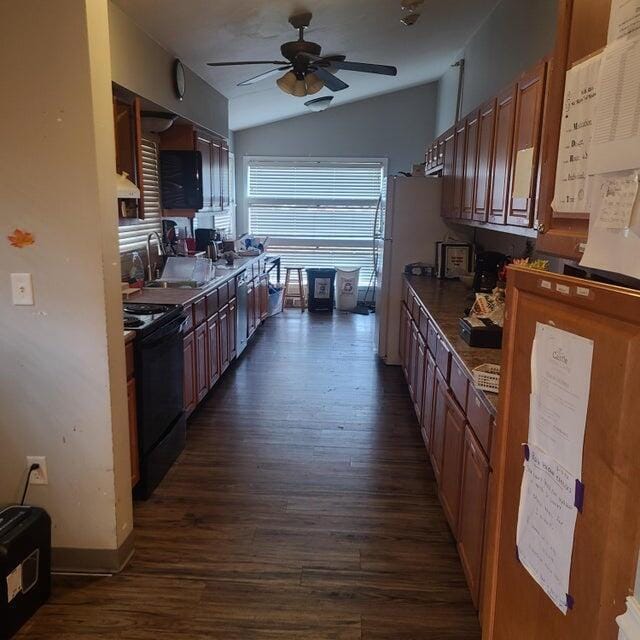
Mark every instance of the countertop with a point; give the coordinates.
(446, 302)
(187, 296)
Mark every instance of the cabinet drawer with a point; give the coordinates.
(188, 323)
(480, 419)
(232, 288)
(443, 358)
(432, 338)
(128, 352)
(212, 303)
(199, 311)
(423, 325)
(459, 383)
(223, 294)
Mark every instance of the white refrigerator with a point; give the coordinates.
(409, 226)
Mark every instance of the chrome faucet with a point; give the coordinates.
(160, 252)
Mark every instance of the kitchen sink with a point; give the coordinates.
(163, 284)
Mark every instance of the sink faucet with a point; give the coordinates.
(160, 252)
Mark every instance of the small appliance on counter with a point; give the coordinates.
(453, 259)
(159, 366)
(25, 565)
(481, 332)
(488, 267)
(208, 240)
(419, 269)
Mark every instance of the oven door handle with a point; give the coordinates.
(174, 327)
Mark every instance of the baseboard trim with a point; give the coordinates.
(72, 560)
(629, 622)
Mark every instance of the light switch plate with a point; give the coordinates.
(22, 288)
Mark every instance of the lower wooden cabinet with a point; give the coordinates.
(190, 397)
(232, 324)
(213, 357)
(473, 503)
(133, 429)
(224, 339)
(439, 419)
(418, 374)
(428, 400)
(202, 366)
(251, 305)
(264, 296)
(451, 473)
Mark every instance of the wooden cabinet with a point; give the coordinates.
(486, 130)
(202, 365)
(204, 147)
(418, 375)
(426, 421)
(451, 472)
(225, 186)
(526, 140)
(190, 393)
(251, 305)
(216, 147)
(448, 172)
(472, 512)
(581, 31)
(470, 167)
(411, 359)
(213, 331)
(458, 172)
(438, 428)
(501, 156)
(133, 415)
(224, 339)
(264, 296)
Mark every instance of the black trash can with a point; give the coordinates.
(321, 286)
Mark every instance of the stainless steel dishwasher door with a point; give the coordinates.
(241, 328)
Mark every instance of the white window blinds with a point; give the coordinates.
(316, 212)
(132, 234)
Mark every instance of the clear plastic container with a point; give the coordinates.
(136, 273)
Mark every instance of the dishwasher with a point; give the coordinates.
(242, 326)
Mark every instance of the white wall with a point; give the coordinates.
(394, 126)
(141, 65)
(514, 36)
(62, 368)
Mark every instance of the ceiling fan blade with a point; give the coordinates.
(264, 76)
(364, 67)
(234, 64)
(330, 81)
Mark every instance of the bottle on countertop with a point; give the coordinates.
(136, 273)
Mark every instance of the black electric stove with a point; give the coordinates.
(159, 371)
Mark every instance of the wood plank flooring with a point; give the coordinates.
(303, 507)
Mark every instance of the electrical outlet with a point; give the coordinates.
(40, 475)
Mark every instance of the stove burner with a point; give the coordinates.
(131, 322)
(141, 309)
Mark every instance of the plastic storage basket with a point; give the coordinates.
(347, 288)
(487, 377)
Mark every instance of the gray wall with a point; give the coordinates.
(141, 65)
(395, 126)
(511, 39)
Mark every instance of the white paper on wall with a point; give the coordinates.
(560, 383)
(618, 193)
(576, 131)
(616, 136)
(624, 18)
(612, 249)
(523, 173)
(546, 524)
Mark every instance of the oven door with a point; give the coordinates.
(159, 382)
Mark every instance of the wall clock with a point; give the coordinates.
(179, 82)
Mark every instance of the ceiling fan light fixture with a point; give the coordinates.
(287, 82)
(314, 84)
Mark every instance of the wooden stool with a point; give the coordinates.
(288, 281)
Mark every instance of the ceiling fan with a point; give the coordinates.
(306, 71)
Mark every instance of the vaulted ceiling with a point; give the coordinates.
(201, 31)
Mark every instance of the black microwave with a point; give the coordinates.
(181, 179)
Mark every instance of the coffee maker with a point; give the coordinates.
(488, 267)
(207, 240)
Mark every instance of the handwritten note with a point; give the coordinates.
(618, 195)
(575, 137)
(560, 379)
(624, 18)
(616, 137)
(546, 524)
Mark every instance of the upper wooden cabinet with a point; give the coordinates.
(486, 129)
(459, 160)
(526, 145)
(470, 167)
(581, 31)
(501, 157)
(448, 171)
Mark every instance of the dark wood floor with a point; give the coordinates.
(303, 507)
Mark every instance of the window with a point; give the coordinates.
(132, 234)
(316, 212)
